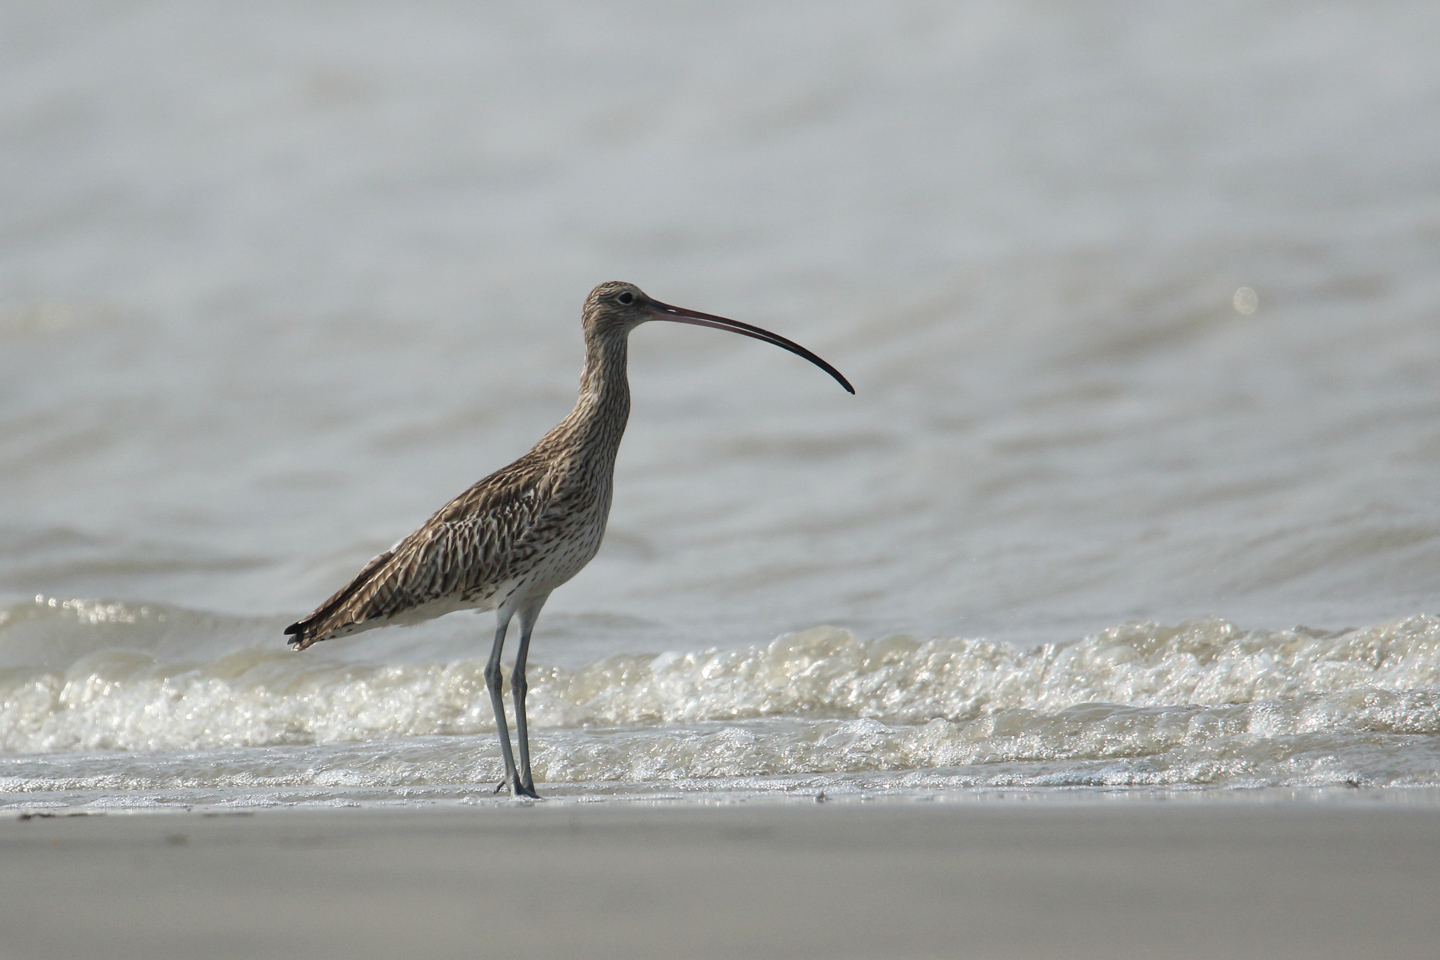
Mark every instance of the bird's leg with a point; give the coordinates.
(492, 683)
(518, 688)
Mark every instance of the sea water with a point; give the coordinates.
(1137, 488)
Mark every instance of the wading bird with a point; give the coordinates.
(515, 536)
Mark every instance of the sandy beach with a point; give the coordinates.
(1015, 880)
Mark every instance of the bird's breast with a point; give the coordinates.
(575, 527)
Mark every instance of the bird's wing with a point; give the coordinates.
(477, 540)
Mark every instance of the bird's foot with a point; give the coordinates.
(519, 791)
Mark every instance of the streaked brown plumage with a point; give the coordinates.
(515, 536)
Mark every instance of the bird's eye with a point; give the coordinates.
(626, 297)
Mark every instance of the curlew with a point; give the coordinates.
(515, 536)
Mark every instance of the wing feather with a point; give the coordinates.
(476, 541)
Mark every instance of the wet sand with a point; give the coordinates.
(1129, 879)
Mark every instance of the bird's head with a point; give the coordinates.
(618, 307)
(615, 307)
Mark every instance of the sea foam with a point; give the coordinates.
(1202, 702)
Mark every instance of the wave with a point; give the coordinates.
(1202, 702)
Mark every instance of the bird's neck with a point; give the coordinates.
(603, 406)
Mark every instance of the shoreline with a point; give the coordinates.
(695, 794)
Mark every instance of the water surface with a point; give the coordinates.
(1140, 305)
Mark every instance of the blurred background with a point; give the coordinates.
(1140, 301)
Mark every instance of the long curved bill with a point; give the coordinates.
(663, 311)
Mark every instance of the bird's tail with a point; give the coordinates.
(303, 633)
(334, 617)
